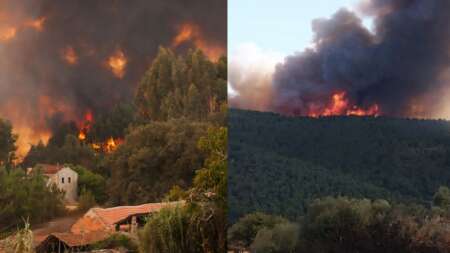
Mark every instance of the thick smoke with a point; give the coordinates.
(57, 57)
(250, 74)
(400, 65)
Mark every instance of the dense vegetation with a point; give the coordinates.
(178, 99)
(200, 224)
(25, 197)
(346, 225)
(153, 158)
(280, 164)
(22, 197)
(7, 144)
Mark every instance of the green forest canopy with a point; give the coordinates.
(279, 164)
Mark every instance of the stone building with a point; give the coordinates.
(63, 177)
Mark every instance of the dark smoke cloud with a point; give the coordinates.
(35, 81)
(400, 65)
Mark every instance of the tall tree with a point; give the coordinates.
(185, 86)
(7, 143)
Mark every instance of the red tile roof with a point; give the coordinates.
(49, 169)
(73, 240)
(115, 215)
(99, 223)
(105, 218)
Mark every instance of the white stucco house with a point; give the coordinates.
(63, 177)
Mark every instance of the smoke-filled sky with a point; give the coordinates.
(398, 67)
(61, 59)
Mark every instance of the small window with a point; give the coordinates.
(68, 180)
(62, 180)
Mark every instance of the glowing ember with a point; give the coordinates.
(8, 33)
(339, 105)
(70, 56)
(37, 24)
(191, 32)
(117, 63)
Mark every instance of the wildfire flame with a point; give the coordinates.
(111, 145)
(96, 146)
(82, 136)
(186, 32)
(118, 63)
(27, 136)
(340, 105)
(32, 126)
(85, 125)
(108, 146)
(69, 55)
(7, 33)
(37, 24)
(191, 32)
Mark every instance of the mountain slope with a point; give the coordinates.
(278, 164)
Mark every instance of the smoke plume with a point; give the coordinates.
(250, 75)
(398, 68)
(62, 59)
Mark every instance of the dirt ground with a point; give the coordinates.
(61, 224)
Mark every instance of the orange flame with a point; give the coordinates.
(27, 137)
(186, 32)
(108, 146)
(191, 32)
(82, 136)
(37, 24)
(85, 125)
(339, 105)
(69, 55)
(8, 33)
(32, 126)
(117, 63)
(96, 146)
(111, 145)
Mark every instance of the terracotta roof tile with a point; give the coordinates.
(81, 239)
(99, 223)
(49, 169)
(105, 218)
(114, 215)
(89, 222)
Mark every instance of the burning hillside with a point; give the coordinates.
(85, 136)
(399, 67)
(63, 59)
(340, 105)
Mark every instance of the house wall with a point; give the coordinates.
(70, 187)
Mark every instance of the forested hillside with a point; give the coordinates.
(279, 164)
(180, 99)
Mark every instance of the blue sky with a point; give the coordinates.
(282, 26)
